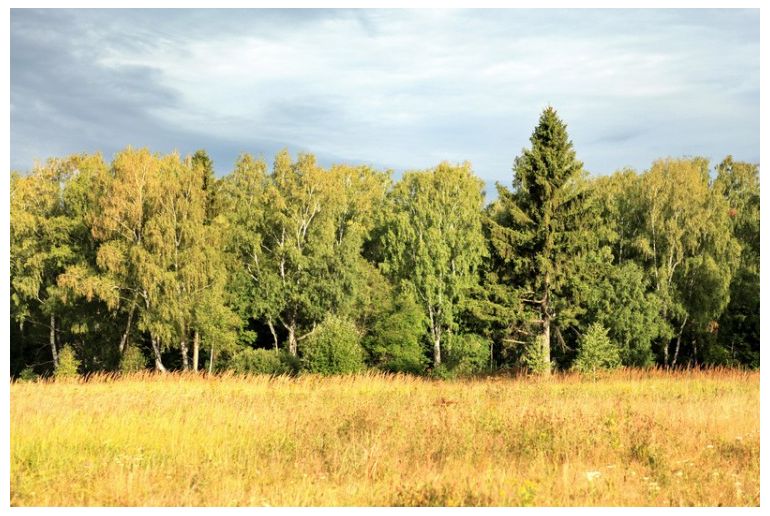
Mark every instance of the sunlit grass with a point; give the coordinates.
(630, 438)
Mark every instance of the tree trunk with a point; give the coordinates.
(546, 342)
(435, 332)
(275, 335)
(436, 350)
(211, 359)
(678, 342)
(545, 311)
(124, 338)
(694, 352)
(292, 339)
(676, 350)
(196, 350)
(52, 342)
(183, 349)
(156, 351)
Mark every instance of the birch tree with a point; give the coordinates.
(686, 245)
(434, 244)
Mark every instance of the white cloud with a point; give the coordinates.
(408, 88)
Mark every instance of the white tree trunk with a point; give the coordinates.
(275, 335)
(183, 349)
(52, 342)
(292, 339)
(196, 350)
(156, 351)
(124, 338)
(437, 350)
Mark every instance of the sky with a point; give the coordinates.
(395, 89)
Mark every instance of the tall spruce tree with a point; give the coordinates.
(537, 232)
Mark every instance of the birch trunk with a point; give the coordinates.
(292, 339)
(183, 349)
(436, 350)
(52, 342)
(275, 335)
(196, 350)
(124, 338)
(156, 351)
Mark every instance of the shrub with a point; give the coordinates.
(596, 351)
(27, 375)
(442, 372)
(333, 348)
(262, 361)
(467, 353)
(68, 363)
(715, 355)
(133, 360)
(394, 343)
(533, 358)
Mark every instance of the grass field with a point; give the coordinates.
(630, 438)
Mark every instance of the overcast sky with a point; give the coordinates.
(397, 89)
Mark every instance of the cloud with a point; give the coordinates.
(394, 88)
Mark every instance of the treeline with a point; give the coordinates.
(151, 261)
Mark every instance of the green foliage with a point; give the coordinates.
(467, 354)
(68, 364)
(716, 354)
(443, 372)
(596, 351)
(738, 326)
(333, 348)
(262, 361)
(133, 360)
(622, 302)
(539, 230)
(28, 375)
(395, 340)
(433, 243)
(685, 245)
(154, 248)
(534, 357)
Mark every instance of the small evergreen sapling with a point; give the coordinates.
(68, 364)
(597, 351)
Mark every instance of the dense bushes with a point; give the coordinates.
(395, 341)
(262, 361)
(333, 347)
(467, 354)
(133, 360)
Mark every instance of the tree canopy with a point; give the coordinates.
(153, 260)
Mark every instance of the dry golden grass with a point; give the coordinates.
(630, 438)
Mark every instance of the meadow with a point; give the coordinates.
(626, 438)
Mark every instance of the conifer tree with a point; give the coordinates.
(538, 232)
